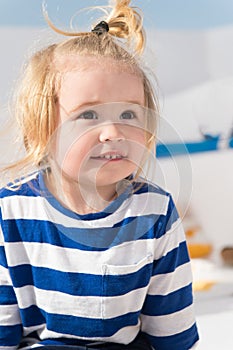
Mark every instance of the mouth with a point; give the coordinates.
(109, 156)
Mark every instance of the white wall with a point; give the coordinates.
(202, 183)
(183, 59)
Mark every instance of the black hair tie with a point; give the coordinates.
(101, 28)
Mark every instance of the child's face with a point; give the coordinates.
(101, 136)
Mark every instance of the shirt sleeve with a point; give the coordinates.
(167, 316)
(10, 324)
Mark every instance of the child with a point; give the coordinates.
(91, 254)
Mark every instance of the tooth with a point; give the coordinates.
(111, 156)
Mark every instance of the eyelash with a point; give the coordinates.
(132, 115)
(82, 115)
(85, 115)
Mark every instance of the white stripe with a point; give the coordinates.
(8, 347)
(73, 260)
(38, 328)
(167, 283)
(1, 237)
(38, 208)
(123, 304)
(81, 306)
(125, 335)
(44, 333)
(9, 315)
(23, 207)
(166, 325)
(59, 303)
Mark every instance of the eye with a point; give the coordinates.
(128, 115)
(88, 115)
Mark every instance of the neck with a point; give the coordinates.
(80, 198)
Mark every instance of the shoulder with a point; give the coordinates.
(19, 198)
(157, 200)
(28, 186)
(154, 206)
(154, 195)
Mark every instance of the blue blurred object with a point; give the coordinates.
(210, 143)
(231, 142)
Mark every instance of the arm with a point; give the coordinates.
(167, 315)
(10, 324)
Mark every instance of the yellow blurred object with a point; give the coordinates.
(190, 232)
(199, 246)
(199, 250)
(199, 286)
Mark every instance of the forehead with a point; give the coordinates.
(87, 80)
(82, 62)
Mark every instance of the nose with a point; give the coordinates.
(110, 132)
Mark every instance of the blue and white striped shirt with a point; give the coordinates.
(67, 278)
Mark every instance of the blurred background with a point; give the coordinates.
(190, 50)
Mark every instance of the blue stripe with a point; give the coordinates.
(10, 335)
(7, 295)
(49, 279)
(3, 261)
(33, 316)
(80, 283)
(46, 232)
(114, 285)
(180, 341)
(79, 326)
(149, 188)
(166, 221)
(158, 305)
(96, 239)
(106, 237)
(172, 260)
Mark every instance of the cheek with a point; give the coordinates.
(137, 146)
(72, 152)
(137, 136)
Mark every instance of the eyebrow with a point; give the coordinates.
(96, 103)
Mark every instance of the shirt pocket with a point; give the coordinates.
(125, 287)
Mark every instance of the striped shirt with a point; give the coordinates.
(67, 278)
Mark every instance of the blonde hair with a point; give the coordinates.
(35, 105)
